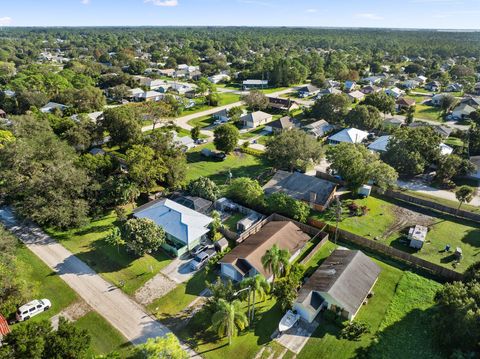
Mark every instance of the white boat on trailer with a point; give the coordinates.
(288, 321)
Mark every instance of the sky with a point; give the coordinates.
(432, 14)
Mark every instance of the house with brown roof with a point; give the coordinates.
(245, 260)
(342, 283)
(282, 124)
(4, 328)
(284, 104)
(404, 103)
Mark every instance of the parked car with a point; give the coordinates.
(201, 259)
(197, 249)
(32, 308)
(201, 141)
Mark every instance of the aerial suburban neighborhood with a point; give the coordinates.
(246, 179)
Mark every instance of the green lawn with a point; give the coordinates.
(231, 222)
(423, 111)
(44, 283)
(202, 122)
(384, 222)
(181, 296)
(226, 98)
(273, 89)
(409, 312)
(116, 266)
(105, 338)
(240, 164)
(399, 296)
(453, 141)
(246, 345)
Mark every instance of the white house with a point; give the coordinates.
(49, 107)
(183, 226)
(356, 96)
(254, 84)
(445, 149)
(255, 119)
(215, 79)
(341, 284)
(395, 92)
(348, 135)
(308, 90)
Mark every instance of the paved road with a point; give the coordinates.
(183, 121)
(128, 317)
(421, 187)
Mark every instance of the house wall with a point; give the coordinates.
(228, 271)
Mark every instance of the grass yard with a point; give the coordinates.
(105, 338)
(399, 296)
(387, 219)
(423, 111)
(273, 90)
(226, 98)
(180, 297)
(202, 122)
(246, 345)
(116, 266)
(44, 283)
(240, 164)
(231, 222)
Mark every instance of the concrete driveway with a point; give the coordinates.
(128, 317)
(179, 270)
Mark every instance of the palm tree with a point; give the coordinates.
(275, 259)
(229, 318)
(464, 194)
(131, 193)
(259, 285)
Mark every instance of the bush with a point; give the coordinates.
(354, 330)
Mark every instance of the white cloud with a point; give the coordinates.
(369, 16)
(311, 11)
(85, 2)
(6, 20)
(167, 3)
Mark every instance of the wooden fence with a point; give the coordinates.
(382, 249)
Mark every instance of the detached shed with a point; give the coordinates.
(417, 236)
(4, 328)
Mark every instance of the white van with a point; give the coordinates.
(32, 308)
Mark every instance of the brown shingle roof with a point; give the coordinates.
(285, 234)
(284, 123)
(346, 275)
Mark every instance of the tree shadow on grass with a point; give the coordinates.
(411, 337)
(472, 238)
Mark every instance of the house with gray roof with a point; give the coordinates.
(308, 90)
(318, 128)
(341, 283)
(282, 124)
(317, 192)
(184, 227)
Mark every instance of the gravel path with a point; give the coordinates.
(155, 288)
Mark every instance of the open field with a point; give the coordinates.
(388, 220)
(202, 122)
(115, 265)
(240, 164)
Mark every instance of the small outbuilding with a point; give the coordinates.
(365, 190)
(417, 236)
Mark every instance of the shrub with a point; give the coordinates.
(354, 330)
